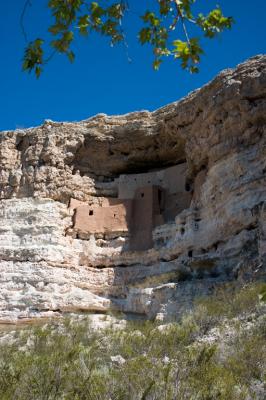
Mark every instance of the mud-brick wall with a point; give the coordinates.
(145, 210)
(94, 219)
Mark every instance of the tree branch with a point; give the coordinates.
(22, 16)
(179, 11)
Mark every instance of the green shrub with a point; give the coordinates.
(142, 361)
(228, 302)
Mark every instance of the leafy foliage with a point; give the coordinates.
(33, 58)
(72, 17)
(143, 361)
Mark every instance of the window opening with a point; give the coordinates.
(187, 187)
(159, 196)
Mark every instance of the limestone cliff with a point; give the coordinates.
(218, 132)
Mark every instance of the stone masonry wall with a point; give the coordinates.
(171, 179)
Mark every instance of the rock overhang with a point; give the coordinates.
(218, 130)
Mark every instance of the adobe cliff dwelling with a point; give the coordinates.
(144, 201)
(137, 213)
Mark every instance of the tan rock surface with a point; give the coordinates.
(219, 130)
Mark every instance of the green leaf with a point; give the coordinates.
(193, 69)
(71, 56)
(104, 18)
(262, 294)
(115, 11)
(188, 52)
(145, 35)
(68, 36)
(156, 64)
(165, 7)
(185, 7)
(214, 23)
(38, 71)
(96, 10)
(150, 17)
(57, 28)
(181, 48)
(33, 56)
(84, 24)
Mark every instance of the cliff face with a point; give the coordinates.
(48, 268)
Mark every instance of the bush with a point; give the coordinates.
(143, 361)
(228, 302)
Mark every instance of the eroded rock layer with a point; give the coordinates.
(211, 228)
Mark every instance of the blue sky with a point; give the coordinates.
(102, 80)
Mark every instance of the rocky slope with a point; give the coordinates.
(219, 130)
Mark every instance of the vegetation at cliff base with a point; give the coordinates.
(217, 351)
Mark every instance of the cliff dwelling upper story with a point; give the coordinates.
(144, 201)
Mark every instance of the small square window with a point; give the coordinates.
(187, 187)
(91, 212)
